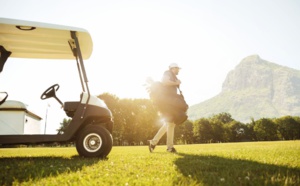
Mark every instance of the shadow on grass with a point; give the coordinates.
(214, 170)
(22, 169)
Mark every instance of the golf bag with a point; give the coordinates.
(172, 107)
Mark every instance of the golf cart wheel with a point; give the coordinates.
(94, 141)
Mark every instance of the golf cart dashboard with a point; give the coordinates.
(70, 107)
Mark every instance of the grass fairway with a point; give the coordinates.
(249, 163)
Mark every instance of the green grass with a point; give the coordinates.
(251, 163)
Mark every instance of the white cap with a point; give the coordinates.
(173, 65)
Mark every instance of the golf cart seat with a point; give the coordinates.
(70, 107)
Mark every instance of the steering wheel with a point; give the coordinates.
(50, 92)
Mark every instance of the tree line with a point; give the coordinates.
(137, 120)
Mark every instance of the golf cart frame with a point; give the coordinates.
(91, 122)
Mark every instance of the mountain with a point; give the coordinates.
(255, 89)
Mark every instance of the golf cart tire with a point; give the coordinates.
(94, 141)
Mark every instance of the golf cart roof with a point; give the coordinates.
(26, 39)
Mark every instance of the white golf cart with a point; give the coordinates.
(91, 121)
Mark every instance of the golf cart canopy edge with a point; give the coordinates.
(26, 39)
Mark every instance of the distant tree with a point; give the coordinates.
(218, 123)
(234, 131)
(134, 119)
(63, 125)
(288, 127)
(146, 118)
(113, 103)
(297, 119)
(265, 130)
(218, 131)
(250, 134)
(222, 118)
(184, 133)
(203, 131)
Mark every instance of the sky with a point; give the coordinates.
(136, 39)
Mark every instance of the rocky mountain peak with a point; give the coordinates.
(253, 59)
(252, 72)
(255, 88)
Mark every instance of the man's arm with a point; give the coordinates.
(166, 80)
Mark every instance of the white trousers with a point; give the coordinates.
(169, 128)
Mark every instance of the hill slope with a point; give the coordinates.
(254, 89)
